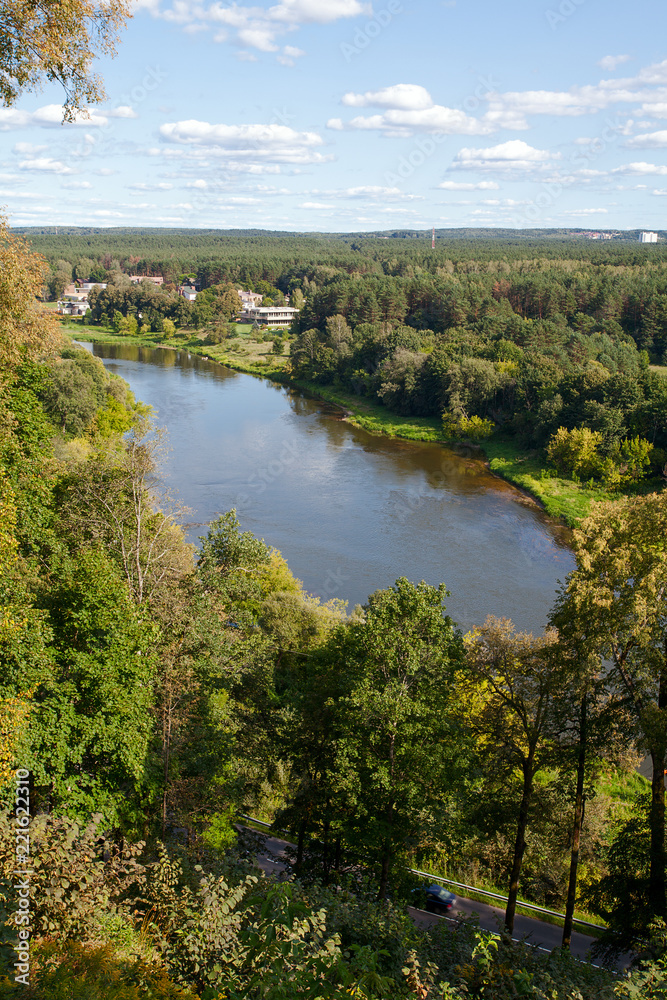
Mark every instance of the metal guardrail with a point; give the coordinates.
(503, 899)
(471, 888)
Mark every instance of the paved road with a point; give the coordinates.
(545, 936)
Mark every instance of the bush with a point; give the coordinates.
(576, 451)
(475, 428)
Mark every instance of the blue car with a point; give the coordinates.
(438, 900)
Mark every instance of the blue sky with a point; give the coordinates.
(341, 116)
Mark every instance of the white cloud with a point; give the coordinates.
(514, 155)
(50, 116)
(640, 169)
(256, 27)
(45, 164)
(586, 211)
(289, 54)
(77, 185)
(368, 191)
(409, 108)
(464, 186)
(28, 149)
(403, 96)
(29, 195)
(657, 109)
(277, 143)
(610, 63)
(648, 86)
(649, 140)
(106, 172)
(122, 111)
(315, 204)
(160, 186)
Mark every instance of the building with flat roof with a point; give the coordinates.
(270, 315)
(648, 237)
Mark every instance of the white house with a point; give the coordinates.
(269, 315)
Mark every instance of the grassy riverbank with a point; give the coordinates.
(561, 498)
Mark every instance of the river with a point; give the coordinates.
(351, 512)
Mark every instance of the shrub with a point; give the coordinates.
(576, 451)
(475, 428)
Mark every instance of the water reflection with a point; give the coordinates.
(350, 511)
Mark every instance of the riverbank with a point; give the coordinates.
(561, 498)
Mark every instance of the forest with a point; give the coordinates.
(151, 694)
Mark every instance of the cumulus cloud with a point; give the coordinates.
(403, 96)
(122, 111)
(512, 156)
(408, 108)
(256, 27)
(277, 143)
(465, 186)
(649, 140)
(610, 63)
(648, 88)
(45, 165)
(641, 169)
(289, 54)
(50, 116)
(77, 185)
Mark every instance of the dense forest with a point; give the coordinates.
(150, 695)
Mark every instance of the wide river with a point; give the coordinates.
(351, 512)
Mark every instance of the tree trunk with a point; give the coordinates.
(657, 817)
(325, 857)
(519, 845)
(299, 846)
(386, 853)
(657, 821)
(576, 829)
(384, 871)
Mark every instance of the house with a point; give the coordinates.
(73, 306)
(269, 315)
(137, 278)
(188, 292)
(249, 299)
(86, 286)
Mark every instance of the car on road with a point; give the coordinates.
(434, 899)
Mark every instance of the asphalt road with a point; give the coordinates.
(545, 936)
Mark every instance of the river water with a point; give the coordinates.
(351, 512)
